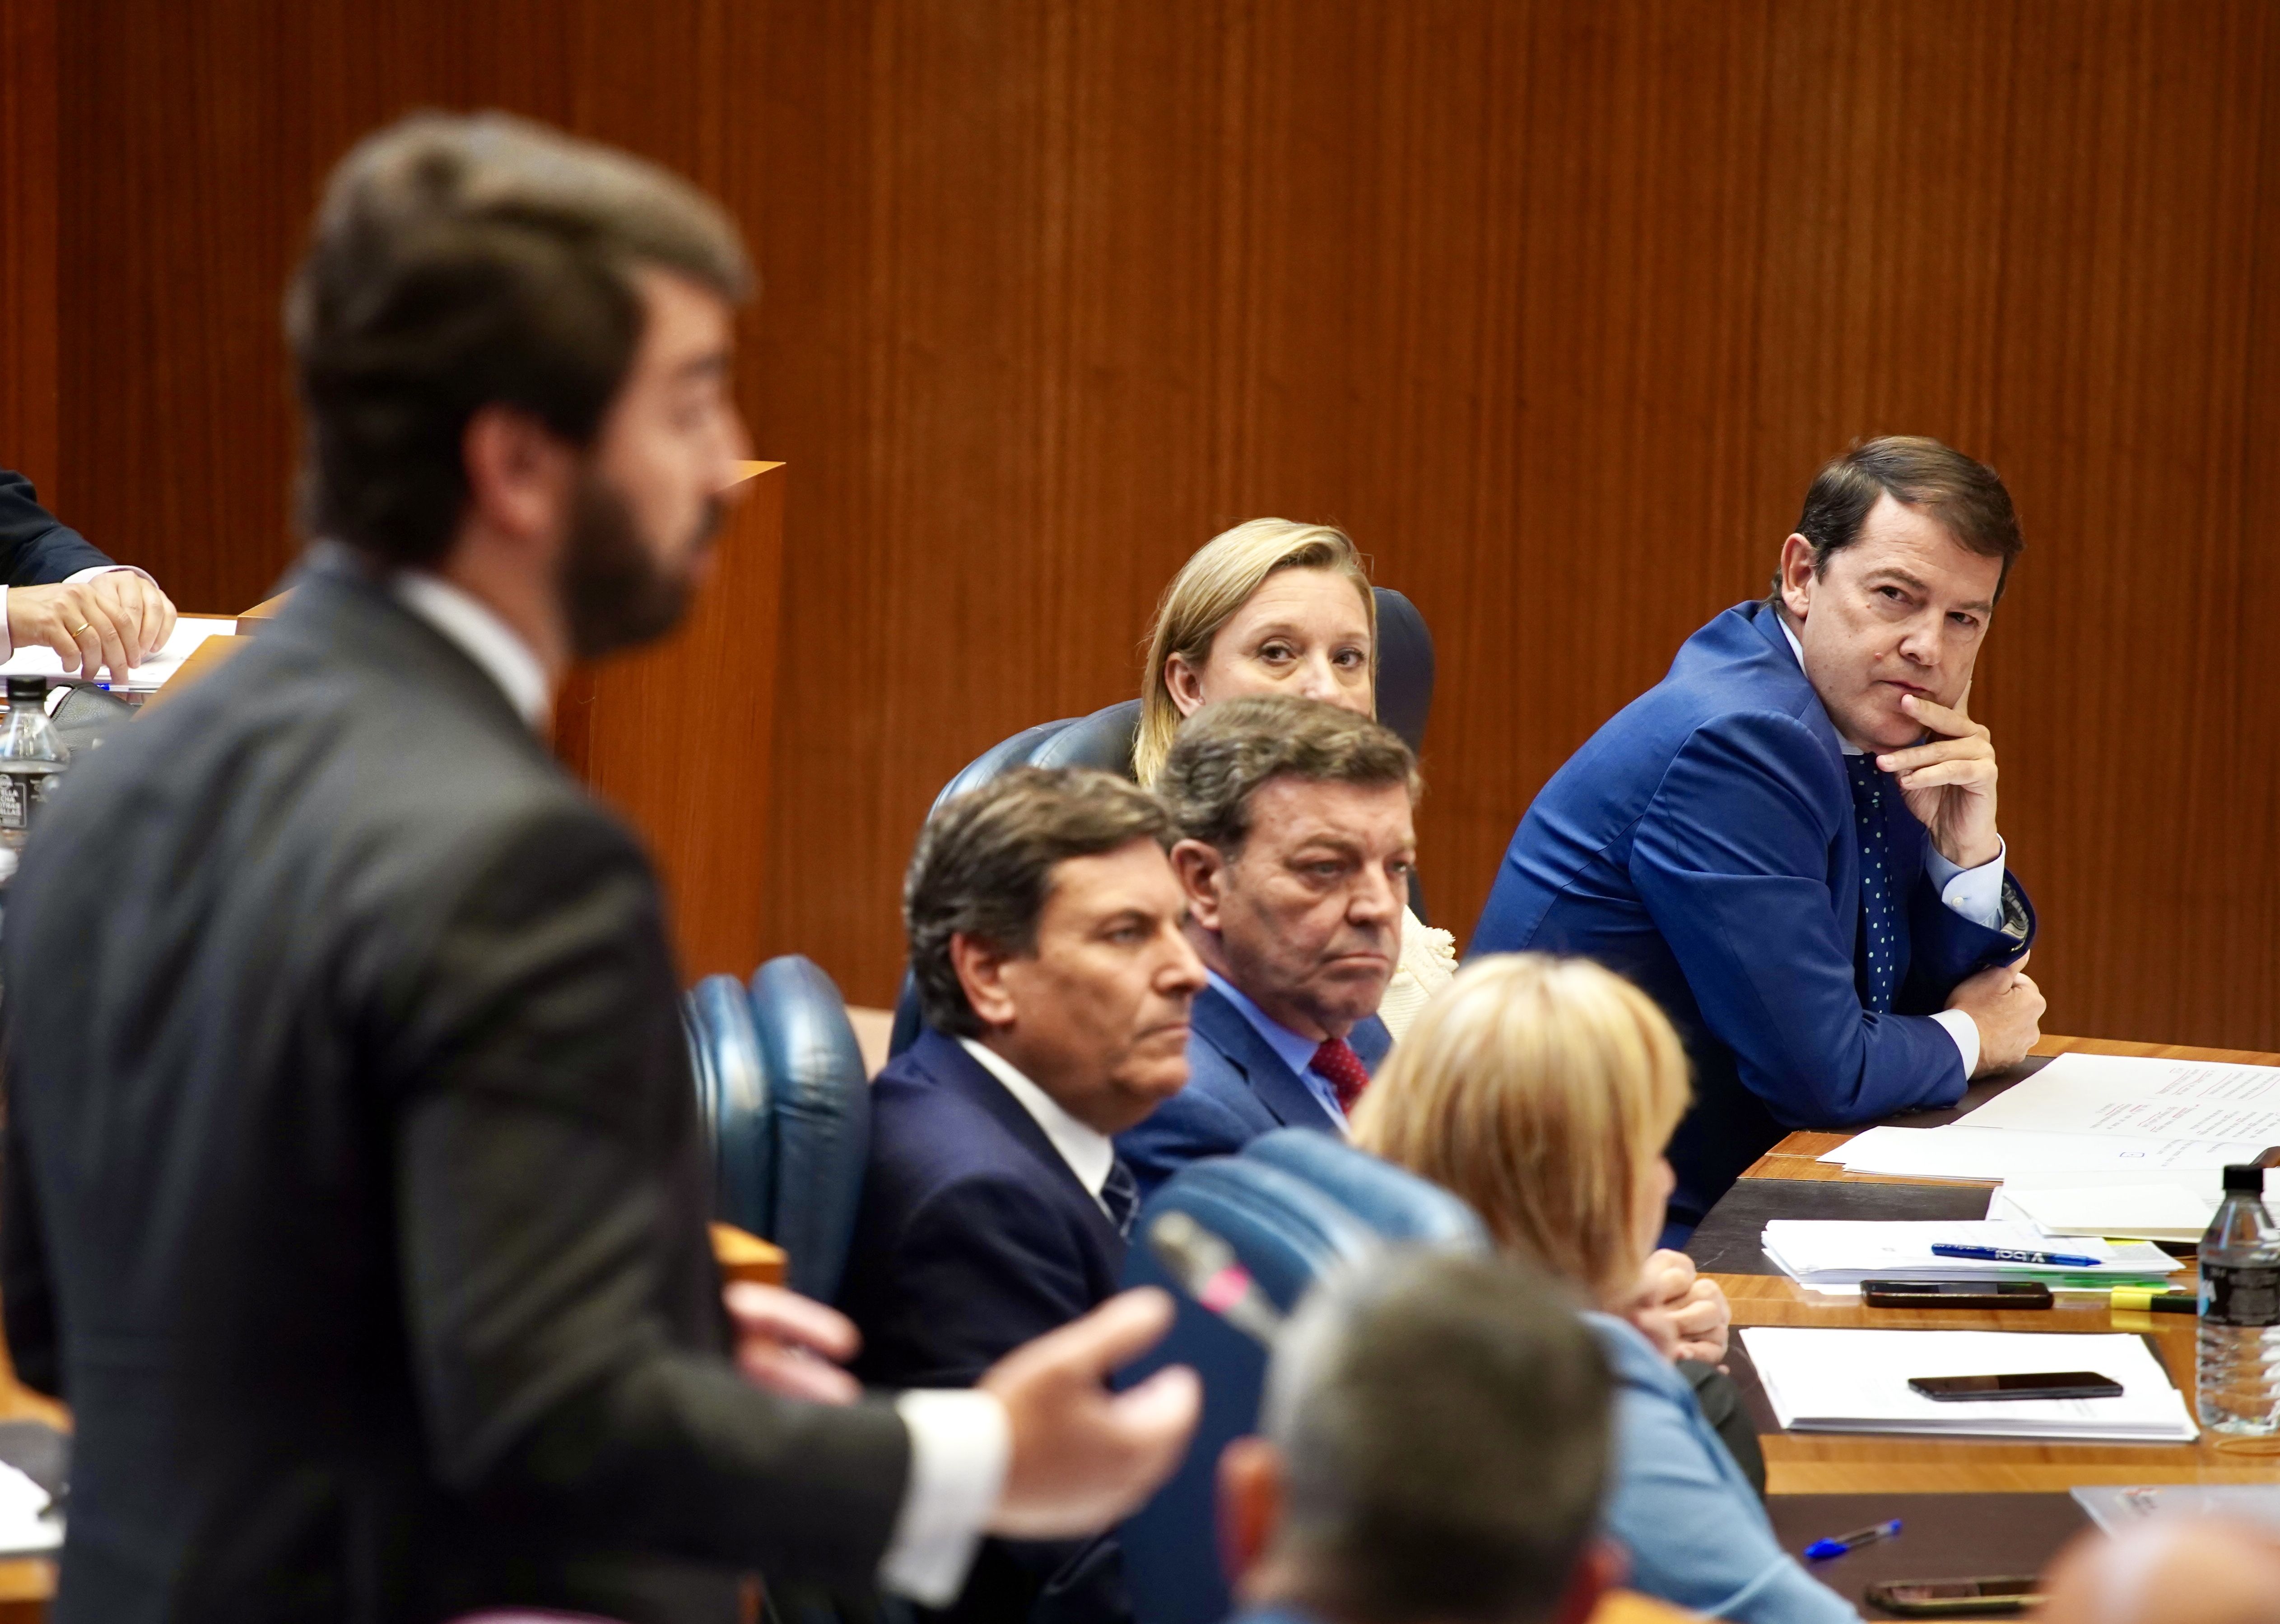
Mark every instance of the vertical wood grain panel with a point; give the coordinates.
(1555, 303)
(29, 429)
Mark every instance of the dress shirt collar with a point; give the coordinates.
(1088, 1153)
(1797, 649)
(1294, 1050)
(479, 634)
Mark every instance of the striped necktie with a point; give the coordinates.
(1120, 1195)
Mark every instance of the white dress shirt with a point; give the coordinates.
(8, 638)
(1088, 1153)
(960, 1441)
(1975, 893)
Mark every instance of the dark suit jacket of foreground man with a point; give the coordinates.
(354, 1198)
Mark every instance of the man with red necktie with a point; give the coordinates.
(1296, 845)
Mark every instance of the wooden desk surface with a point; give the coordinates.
(1855, 1463)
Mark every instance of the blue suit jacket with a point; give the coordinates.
(1702, 844)
(1238, 1087)
(35, 547)
(972, 1237)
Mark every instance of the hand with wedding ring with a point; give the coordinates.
(114, 620)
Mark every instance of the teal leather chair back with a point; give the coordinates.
(782, 1091)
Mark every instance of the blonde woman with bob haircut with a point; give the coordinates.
(1543, 1092)
(1276, 607)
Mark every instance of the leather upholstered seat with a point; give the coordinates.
(1290, 1211)
(820, 1103)
(782, 1090)
(732, 1097)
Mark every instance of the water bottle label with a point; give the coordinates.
(17, 796)
(2235, 1294)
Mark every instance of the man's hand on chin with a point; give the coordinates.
(1949, 783)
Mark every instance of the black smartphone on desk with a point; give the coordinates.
(1955, 1598)
(2038, 1384)
(1955, 1294)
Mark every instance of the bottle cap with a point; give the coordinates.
(2246, 1177)
(27, 691)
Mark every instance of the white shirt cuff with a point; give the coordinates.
(960, 1444)
(1975, 893)
(93, 570)
(1965, 1031)
(7, 639)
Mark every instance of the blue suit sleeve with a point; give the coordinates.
(1731, 860)
(1944, 947)
(1186, 1127)
(984, 1268)
(1694, 1532)
(1692, 1526)
(35, 547)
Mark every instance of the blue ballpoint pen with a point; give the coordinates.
(1821, 1550)
(2005, 1254)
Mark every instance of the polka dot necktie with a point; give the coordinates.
(1120, 1195)
(1342, 1066)
(1880, 934)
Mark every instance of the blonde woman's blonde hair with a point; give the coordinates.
(1542, 1090)
(1204, 597)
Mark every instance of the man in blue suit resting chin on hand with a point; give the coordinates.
(1791, 841)
(1295, 851)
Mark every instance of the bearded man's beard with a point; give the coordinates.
(615, 593)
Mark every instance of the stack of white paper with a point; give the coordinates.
(2143, 1211)
(28, 1526)
(2128, 1097)
(1989, 1155)
(190, 631)
(1831, 1253)
(1846, 1381)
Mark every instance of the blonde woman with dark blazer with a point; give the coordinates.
(1277, 607)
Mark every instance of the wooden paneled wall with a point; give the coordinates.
(28, 332)
(1556, 304)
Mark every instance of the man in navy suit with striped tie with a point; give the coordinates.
(1295, 851)
(1045, 939)
(1791, 841)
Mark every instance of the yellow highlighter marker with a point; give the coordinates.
(2156, 1302)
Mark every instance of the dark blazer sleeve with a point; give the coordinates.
(1731, 860)
(1196, 1122)
(27, 1303)
(542, 1236)
(35, 547)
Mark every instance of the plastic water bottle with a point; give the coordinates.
(2240, 1312)
(31, 758)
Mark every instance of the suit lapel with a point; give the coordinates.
(945, 1064)
(1275, 1086)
